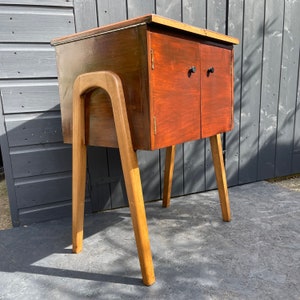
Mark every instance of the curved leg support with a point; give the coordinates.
(110, 82)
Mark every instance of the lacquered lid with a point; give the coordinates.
(147, 19)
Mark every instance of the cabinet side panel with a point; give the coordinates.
(122, 52)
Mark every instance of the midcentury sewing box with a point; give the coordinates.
(144, 84)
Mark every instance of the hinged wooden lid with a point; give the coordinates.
(147, 19)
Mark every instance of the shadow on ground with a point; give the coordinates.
(196, 255)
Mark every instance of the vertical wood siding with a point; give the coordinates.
(265, 140)
(288, 104)
(264, 143)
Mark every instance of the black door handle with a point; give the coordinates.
(210, 70)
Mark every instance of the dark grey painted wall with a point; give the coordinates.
(264, 143)
(37, 164)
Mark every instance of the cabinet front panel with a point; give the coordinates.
(216, 90)
(174, 89)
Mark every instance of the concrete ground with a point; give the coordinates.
(196, 255)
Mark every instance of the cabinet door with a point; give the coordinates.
(174, 90)
(216, 89)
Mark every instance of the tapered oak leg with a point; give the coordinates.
(168, 177)
(132, 179)
(78, 170)
(113, 86)
(137, 209)
(216, 149)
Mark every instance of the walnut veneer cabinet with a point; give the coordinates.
(176, 82)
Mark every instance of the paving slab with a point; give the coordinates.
(196, 255)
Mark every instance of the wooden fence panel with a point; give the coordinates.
(57, 3)
(31, 129)
(27, 96)
(296, 152)
(117, 184)
(44, 190)
(40, 160)
(216, 15)
(272, 41)
(149, 163)
(85, 15)
(27, 61)
(111, 11)
(251, 89)
(194, 12)
(31, 140)
(37, 24)
(288, 89)
(169, 9)
(6, 158)
(99, 178)
(235, 28)
(138, 8)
